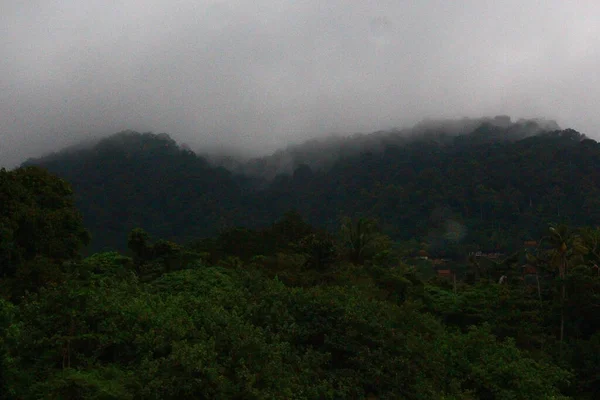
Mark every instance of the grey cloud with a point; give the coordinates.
(259, 75)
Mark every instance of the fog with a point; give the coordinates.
(258, 75)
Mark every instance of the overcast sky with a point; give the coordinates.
(263, 73)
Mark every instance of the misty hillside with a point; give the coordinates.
(491, 186)
(132, 179)
(322, 153)
(292, 235)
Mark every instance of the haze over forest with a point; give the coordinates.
(299, 200)
(255, 77)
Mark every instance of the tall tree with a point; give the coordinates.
(565, 250)
(38, 220)
(361, 238)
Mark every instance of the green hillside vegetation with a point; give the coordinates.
(290, 310)
(459, 262)
(488, 189)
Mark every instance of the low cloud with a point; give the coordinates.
(256, 76)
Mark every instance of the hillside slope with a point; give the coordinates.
(144, 180)
(492, 186)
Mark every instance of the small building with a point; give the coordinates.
(444, 273)
(491, 255)
(422, 254)
(529, 275)
(529, 270)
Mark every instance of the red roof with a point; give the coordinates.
(528, 269)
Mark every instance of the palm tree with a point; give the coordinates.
(565, 250)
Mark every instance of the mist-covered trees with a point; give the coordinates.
(282, 308)
(133, 180)
(500, 188)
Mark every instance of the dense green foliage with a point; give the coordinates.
(39, 226)
(290, 310)
(277, 327)
(488, 189)
(122, 183)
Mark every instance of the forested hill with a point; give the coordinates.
(145, 180)
(490, 187)
(322, 153)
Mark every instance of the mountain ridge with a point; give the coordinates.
(499, 182)
(323, 152)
